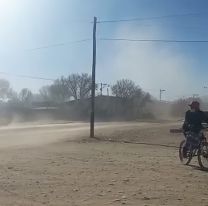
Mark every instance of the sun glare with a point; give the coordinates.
(8, 10)
(7, 6)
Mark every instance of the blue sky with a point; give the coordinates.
(180, 68)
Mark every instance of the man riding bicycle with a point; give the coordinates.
(193, 124)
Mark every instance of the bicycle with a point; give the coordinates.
(195, 147)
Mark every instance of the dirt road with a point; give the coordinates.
(36, 134)
(58, 165)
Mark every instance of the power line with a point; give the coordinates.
(150, 18)
(27, 77)
(58, 44)
(154, 40)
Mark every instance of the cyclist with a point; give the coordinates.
(193, 124)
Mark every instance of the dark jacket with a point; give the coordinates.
(193, 121)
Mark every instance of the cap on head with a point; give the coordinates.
(195, 105)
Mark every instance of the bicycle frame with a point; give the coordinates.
(194, 149)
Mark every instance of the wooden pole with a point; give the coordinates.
(92, 119)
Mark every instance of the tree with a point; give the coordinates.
(4, 89)
(25, 96)
(13, 96)
(84, 86)
(72, 83)
(59, 91)
(45, 93)
(125, 88)
(78, 85)
(134, 99)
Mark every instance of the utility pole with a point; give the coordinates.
(107, 91)
(161, 91)
(101, 88)
(92, 118)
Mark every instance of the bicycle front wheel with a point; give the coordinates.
(184, 158)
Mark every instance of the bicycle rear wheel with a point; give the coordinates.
(184, 159)
(203, 156)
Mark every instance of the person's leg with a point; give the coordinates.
(190, 142)
(196, 139)
(185, 148)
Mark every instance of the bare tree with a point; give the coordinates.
(134, 99)
(125, 88)
(84, 86)
(79, 85)
(59, 91)
(4, 89)
(45, 93)
(25, 96)
(72, 83)
(13, 96)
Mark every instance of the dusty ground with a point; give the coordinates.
(53, 165)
